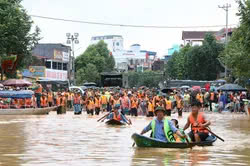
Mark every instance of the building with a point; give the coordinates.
(158, 65)
(221, 34)
(174, 48)
(54, 62)
(126, 59)
(195, 37)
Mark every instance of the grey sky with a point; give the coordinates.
(141, 12)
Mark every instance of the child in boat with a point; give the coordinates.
(177, 138)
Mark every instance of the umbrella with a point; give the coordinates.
(185, 87)
(231, 87)
(1, 85)
(17, 83)
(196, 88)
(221, 81)
(166, 90)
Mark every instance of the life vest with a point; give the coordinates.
(212, 96)
(97, 102)
(179, 103)
(116, 102)
(63, 99)
(125, 103)
(104, 99)
(50, 97)
(150, 107)
(91, 105)
(201, 98)
(117, 117)
(168, 104)
(43, 102)
(58, 101)
(168, 133)
(28, 102)
(77, 99)
(40, 89)
(179, 139)
(134, 104)
(200, 120)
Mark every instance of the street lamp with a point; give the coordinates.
(73, 39)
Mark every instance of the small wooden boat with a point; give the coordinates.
(114, 122)
(27, 111)
(142, 141)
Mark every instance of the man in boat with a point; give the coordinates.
(198, 123)
(117, 115)
(162, 128)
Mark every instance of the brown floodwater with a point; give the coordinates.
(79, 140)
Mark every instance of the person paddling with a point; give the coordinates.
(117, 115)
(162, 128)
(198, 123)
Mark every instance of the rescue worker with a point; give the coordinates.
(77, 104)
(38, 94)
(117, 115)
(162, 128)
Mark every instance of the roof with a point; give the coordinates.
(105, 37)
(195, 34)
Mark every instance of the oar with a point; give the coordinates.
(103, 117)
(214, 134)
(133, 144)
(188, 143)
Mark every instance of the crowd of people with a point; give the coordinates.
(142, 101)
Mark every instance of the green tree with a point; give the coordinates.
(236, 55)
(15, 36)
(88, 74)
(97, 55)
(196, 62)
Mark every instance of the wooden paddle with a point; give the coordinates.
(214, 134)
(103, 117)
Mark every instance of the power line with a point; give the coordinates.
(127, 25)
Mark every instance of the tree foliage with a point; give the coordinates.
(15, 36)
(146, 78)
(196, 62)
(96, 55)
(236, 55)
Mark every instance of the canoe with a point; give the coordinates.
(27, 111)
(142, 141)
(114, 122)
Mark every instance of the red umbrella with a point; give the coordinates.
(196, 88)
(17, 83)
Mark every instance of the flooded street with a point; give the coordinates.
(80, 140)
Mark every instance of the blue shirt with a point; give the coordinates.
(159, 129)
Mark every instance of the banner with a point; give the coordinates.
(8, 63)
(34, 71)
(58, 55)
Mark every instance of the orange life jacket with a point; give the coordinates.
(104, 100)
(97, 102)
(168, 104)
(50, 97)
(200, 120)
(179, 103)
(150, 107)
(58, 101)
(212, 96)
(134, 104)
(77, 99)
(91, 105)
(28, 102)
(40, 89)
(43, 102)
(117, 117)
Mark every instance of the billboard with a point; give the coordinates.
(60, 55)
(34, 71)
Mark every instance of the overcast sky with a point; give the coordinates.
(138, 12)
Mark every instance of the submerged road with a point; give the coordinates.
(79, 140)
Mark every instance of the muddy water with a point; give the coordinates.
(79, 140)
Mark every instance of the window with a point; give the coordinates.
(54, 65)
(48, 64)
(117, 44)
(65, 66)
(59, 65)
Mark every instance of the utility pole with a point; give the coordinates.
(73, 39)
(226, 7)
